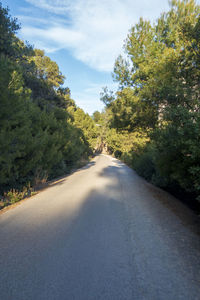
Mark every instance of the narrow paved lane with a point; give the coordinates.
(100, 233)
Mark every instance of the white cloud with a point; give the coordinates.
(55, 6)
(62, 37)
(28, 19)
(97, 28)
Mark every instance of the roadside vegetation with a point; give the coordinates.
(153, 121)
(43, 134)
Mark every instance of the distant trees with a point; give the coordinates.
(96, 116)
(42, 132)
(152, 121)
(159, 96)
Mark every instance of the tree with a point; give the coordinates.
(96, 116)
(8, 28)
(87, 125)
(42, 132)
(159, 84)
(46, 69)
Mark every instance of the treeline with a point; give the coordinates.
(153, 121)
(42, 132)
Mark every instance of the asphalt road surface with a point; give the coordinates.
(101, 233)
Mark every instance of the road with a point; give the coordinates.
(101, 233)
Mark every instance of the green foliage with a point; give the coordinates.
(8, 27)
(143, 162)
(159, 94)
(42, 132)
(179, 160)
(97, 117)
(14, 196)
(128, 112)
(46, 69)
(121, 143)
(107, 97)
(29, 138)
(87, 125)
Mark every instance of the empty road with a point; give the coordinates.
(101, 233)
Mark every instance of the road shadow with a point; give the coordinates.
(81, 256)
(89, 165)
(88, 254)
(62, 179)
(147, 193)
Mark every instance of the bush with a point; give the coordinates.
(127, 157)
(143, 162)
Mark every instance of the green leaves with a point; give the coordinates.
(46, 69)
(8, 27)
(42, 132)
(159, 95)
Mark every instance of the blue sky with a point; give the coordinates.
(84, 37)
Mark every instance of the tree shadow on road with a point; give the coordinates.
(62, 179)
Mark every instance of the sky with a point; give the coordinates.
(84, 37)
